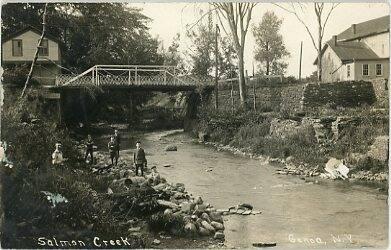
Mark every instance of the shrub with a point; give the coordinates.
(169, 223)
(17, 75)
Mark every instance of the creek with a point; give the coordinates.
(296, 213)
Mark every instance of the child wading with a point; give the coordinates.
(113, 151)
(139, 158)
(90, 149)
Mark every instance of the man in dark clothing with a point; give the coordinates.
(90, 149)
(117, 139)
(139, 158)
(113, 151)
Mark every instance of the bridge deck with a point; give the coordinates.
(134, 77)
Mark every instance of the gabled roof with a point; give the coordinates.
(368, 28)
(349, 51)
(352, 51)
(29, 28)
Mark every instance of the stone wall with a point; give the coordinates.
(297, 98)
(344, 94)
(268, 97)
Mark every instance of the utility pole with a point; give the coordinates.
(217, 68)
(301, 54)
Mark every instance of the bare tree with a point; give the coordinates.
(322, 16)
(30, 75)
(238, 16)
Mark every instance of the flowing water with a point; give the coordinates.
(295, 213)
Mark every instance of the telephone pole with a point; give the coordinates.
(216, 69)
(301, 54)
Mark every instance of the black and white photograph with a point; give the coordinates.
(194, 125)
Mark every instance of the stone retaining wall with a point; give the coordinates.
(344, 94)
(297, 98)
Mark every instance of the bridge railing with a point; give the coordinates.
(110, 75)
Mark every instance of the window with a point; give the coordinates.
(379, 69)
(365, 70)
(348, 70)
(44, 48)
(17, 47)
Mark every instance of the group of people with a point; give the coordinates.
(114, 146)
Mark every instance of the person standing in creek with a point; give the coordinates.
(117, 139)
(113, 151)
(89, 149)
(139, 159)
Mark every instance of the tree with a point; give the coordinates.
(90, 33)
(238, 17)
(202, 52)
(322, 14)
(172, 56)
(202, 49)
(270, 49)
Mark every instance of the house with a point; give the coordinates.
(361, 52)
(19, 48)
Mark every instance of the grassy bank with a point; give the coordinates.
(251, 133)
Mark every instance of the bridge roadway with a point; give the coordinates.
(133, 77)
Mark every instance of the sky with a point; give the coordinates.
(168, 19)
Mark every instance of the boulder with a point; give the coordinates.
(203, 231)
(199, 209)
(216, 216)
(168, 211)
(219, 236)
(199, 222)
(217, 225)
(198, 200)
(167, 204)
(137, 179)
(185, 207)
(156, 242)
(171, 148)
(207, 226)
(190, 229)
(160, 186)
(205, 217)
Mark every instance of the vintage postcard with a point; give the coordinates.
(194, 125)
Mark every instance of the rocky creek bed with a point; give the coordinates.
(288, 167)
(163, 214)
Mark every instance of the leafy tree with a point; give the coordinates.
(203, 51)
(173, 56)
(270, 49)
(90, 33)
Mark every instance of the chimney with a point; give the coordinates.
(354, 29)
(335, 40)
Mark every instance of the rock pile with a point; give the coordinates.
(302, 170)
(369, 176)
(200, 219)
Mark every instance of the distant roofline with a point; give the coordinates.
(30, 28)
(367, 35)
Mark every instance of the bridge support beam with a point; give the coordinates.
(131, 116)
